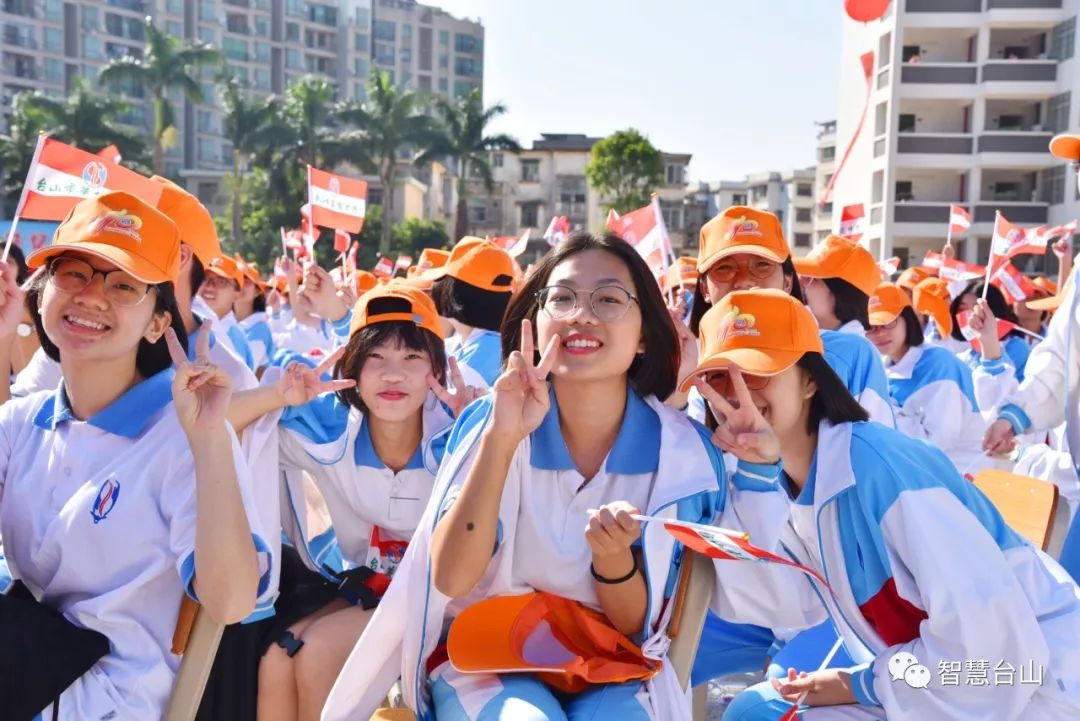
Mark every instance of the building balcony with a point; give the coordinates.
(1023, 4)
(1022, 213)
(1020, 71)
(1012, 141)
(12, 37)
(933, 143)
(944, 6)
(939, 73)
(921, 212)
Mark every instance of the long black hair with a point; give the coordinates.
(470, 305)
(994, 298)
(658, 375)
(850, 303)
(702, 304)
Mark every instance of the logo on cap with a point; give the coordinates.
(744, 226)
(875, 302)
(94, 174)
(119, 221)
(335, 185)
(106, 499)
(736, 323)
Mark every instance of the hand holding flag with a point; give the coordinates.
(336, 201)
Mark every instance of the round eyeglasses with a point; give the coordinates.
(70, 275)
(727, 269)
(609, 303)
(721, 382)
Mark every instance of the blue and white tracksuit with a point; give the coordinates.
(1014, 350)
(920, 562)
(479, 357)
(259, 337)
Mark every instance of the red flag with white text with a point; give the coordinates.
(403, 262)
(336, 201)
(959, 220)
(1011, 240)
(384, 268)
(852, 222)
(644, 229)
(557, 230)
(1014, 284)
(514, 245)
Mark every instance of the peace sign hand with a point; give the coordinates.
(521, 392)
(462, 394)
(741, 430)
(201, 391)
(300, 384)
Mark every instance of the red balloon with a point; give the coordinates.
(865, 11)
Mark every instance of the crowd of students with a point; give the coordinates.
(338, 468)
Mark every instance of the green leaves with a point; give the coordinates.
(625, 167)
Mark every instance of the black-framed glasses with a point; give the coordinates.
(71, 275)
(609, 303)
(883, 327)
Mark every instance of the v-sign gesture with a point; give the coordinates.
(521, 392)
(461, 396)
(201, 390)
(741, 430)
(300, 384)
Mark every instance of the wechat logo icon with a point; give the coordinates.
(905, 667)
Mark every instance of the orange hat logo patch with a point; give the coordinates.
(744, 226)
(737, 323)
(119, 221)
(875, 302)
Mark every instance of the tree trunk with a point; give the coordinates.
(386, 177)
(461, 215)
(159, 158)
(159, 134)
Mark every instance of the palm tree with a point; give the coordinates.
(465, 123)
(167, 64)
(252, 127)
(388, 123)
(17, 146)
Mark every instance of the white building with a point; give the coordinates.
(789, 195)
(826, 164)
(966, 95)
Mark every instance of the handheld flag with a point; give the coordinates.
(384, 268)
(557, 230)
(1014, 284)
(959, 221)
(403, 262)
(889, 267)
(111, 153)
(512, 244)
(852, 222)
(645, 230)
(336, 201)
(341, 241)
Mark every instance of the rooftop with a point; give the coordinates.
(565, 141)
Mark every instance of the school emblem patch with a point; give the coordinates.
(736, 323)
(106, 499)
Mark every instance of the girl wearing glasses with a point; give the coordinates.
(933, 391)
(536, 494)
(744, 248)
(926, 582)
(120, 490)
(471, 294)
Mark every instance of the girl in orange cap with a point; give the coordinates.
(372, 441)
(1015, 347)
(922, 570)
(932, 389)
(250, 310)
(1035, 319)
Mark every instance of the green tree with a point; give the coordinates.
(166, 64)
(412, 235)
(251, 127)
(625, 167)
(17, 145)
(466, 141)
(389, 123)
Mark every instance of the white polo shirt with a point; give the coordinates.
(551, 553)
(98, 518)
(366, 500)
(479, 356)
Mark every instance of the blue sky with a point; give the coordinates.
(738, 83)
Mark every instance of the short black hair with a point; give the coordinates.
(659, 374)
(850, 302)
(468, 304)
(258, 305)
(150, 358)
(832, 401)
(701, 303)
(197, 275)
(15, 255)
(366, 339)
(913, 330)
(994, 298)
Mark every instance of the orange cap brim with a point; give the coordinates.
(1065, 146)
(138, 267)
(749, 249)
(481, 637)
(882, 317)
(753, 361)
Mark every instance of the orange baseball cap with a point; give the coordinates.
(365, 281)
(421, 308)
(192, 218)
(121, 229)
(911, 277)
(431, 258)
(567, 644)
(931, 297)
(837, 257)
(227, 267)
(251, 272)
(1045, 285)
(886, 304)
(741, 229)
(1053, 302)
(479, 263)
(763, 332)
(682, 272)
(1065, 146)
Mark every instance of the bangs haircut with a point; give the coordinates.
(470, 305)
(850, 303)
(701, 303)
(397, 332)
(150, 358)
(658, 375)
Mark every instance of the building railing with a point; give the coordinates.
(943, 6)
(945, 143)
(1014, 141)
(1020, 70)
(1024, 213)
(939, 73)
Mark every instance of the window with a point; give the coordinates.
(294, 7)
(1057, 112)
(802, 215)
(176, 7)
(208, 150)
(54, 10)
(292, 32)
(262, 52)
(54, 70)
(384, 54)
(92, 49)
(827, 153)
(262, 26)
(363, 43)
(205, 121)
(804, 190)
(466, 43)
(1063, 40)
(444, 61)
(54, 40)
(363, 17)
(322, 14)
(530, 171)
(1052, 185)
(910, 51)
(207, 35)
(235, 49)
(673, 218)
(802, 240)
(1010, 122)
(360, 92)
(462, 88)
(477, 214)
(496, 160)
(469, 67)
(443, 85)
(530, 215)
(207, 11)
(91, 18)
(444, 37)
(384, 30)
(406, 32)
(904, 191)
(675, 174)
(292, 58)
(406, 55)
(262, 78)
(174, 28)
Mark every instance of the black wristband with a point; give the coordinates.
(613, 581)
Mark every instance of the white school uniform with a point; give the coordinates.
(40, 374)
(259, 337)
(99, 520)
(479, 356)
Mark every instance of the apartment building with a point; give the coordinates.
(965, 97)
(826, 164)
(788, 194)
